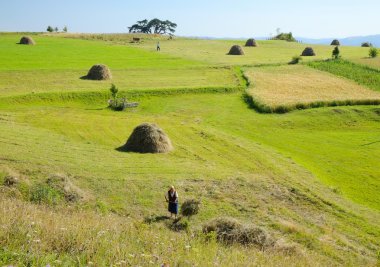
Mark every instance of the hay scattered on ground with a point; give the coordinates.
(148, 138)
(308, 52)
(11, 180)
(251, 43)
(63, 185)
(236, 50)
(99, 72)
(26, 40)
(230, 231)
(335, 42)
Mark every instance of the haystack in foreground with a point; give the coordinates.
(335, 42)
(308, 52)
(99, 72)
(148, 138)
(236, 50)
(26, 40)
(251, 43)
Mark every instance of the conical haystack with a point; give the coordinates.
(99, 72)
(236, 50)
(26, 40)
(148, 138)
(251, 43)
(308, 52)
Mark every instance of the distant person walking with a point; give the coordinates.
(172, 198)
(158, 46)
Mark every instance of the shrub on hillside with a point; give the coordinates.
(190, 207)
(42, 193)
(285, 37)
(373, 52)
(336, 53)
(230, 231)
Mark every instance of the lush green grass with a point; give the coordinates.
(57, 64)
(360, 74)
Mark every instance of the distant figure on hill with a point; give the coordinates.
(172, 198)
(158, 46)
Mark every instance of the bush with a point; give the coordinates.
(115, 103)
(230, 231)
(43, 194)
(285, 37)
(295, 60)
(336, 53)
(190, 207)
(373, 52)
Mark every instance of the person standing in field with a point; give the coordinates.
(172, 199)
(158, 46)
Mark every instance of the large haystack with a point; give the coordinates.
(251, 43)
(308, 52)
(236, 50)
(148, 138)
(99, 72)
(26, 40)
(335, 42)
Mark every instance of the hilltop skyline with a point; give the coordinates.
(214, 19)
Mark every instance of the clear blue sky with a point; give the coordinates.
(215, 18)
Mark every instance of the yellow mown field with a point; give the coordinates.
(297, 85)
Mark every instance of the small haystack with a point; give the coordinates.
(148, 138)
(236, 50)
(251, 43)
(99, 72)
(366, 44)
(308, 52)
(335, 42)
(26, 40)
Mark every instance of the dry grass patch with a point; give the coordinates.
(285, 88)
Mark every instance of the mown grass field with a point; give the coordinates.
(284, 88)
(310, 178)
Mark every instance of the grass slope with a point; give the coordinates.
(213, 154)
(309, 178)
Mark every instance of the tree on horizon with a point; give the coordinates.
(155, 26)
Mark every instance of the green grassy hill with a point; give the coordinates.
(310, 178)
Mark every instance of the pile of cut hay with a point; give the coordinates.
(236, 50)
(148, 138)
(99, 72)
(230, 231)
(251, 43)
(26, 40)
(308, 52)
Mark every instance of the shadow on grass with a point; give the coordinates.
(156, 219)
